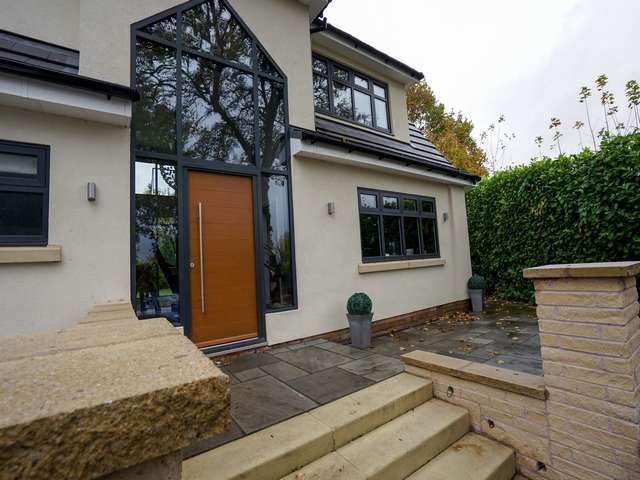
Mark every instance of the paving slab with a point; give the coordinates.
(375, 367)
(284, 371)
(262, 402)
(197, 448)
(313, 359)
(346, 350)
(245, 362)
(328, 385)
(250, 374)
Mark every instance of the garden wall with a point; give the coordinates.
(577, 208)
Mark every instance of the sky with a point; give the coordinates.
(524, 59)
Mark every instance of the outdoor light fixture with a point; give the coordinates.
(445, 216)
(331, 208)
(91, 191)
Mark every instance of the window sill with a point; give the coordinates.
(48, 254)
(400, 265)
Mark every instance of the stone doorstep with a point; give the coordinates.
(585, 270)
(502, 378)
(97, 400)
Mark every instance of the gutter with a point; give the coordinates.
(344, 142)
(69, 80)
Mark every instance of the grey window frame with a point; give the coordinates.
(331, 65)
(381, 212)
(19, 184)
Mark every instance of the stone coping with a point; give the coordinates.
(400, 265)
(501, 378)
(584, 270)
(48, 254)
(104, 396)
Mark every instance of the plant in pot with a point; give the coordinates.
(359, 315)
(476, 286)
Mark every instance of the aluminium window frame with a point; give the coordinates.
(185, 164)
(381, 212)
(22, 184)
(329, 77)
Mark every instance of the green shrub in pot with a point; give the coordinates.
(476, 285)
(359, 314)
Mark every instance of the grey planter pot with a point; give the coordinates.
(360, 328)
(477, 300)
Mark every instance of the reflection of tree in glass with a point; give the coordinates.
(211, 28)
(272, 141)
(156, 222)
(218, 112)
(155, 120)
(277, 242)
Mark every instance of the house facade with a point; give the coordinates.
(237, 167)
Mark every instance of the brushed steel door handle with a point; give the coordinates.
(202, 305)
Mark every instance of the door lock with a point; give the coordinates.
(192, 264)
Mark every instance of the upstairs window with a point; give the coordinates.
(24, 194)
(349, 95)
(395, 226)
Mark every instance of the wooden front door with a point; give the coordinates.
(222, 271)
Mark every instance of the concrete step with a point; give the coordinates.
(278, 450)
(473, 456)
(365, 410)
(396, 449)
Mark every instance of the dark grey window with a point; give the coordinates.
(393, 228)
(156, 241)
(211, 98)
(24, 194)
(349, 95)
(277, 242)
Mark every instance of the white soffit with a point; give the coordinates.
(341, 155)
(315, 7)
(345, 50)
(45, 97)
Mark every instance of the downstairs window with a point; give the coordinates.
(397, 226)
(24, 194)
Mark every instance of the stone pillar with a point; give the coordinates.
(590, 339)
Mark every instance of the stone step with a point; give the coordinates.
(396, 449)
(278, 450)
(473, 456)
(354, 415)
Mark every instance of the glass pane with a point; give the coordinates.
(427, 206)
(209, 27)
(429, 236)
(361, 82)
(277, 244)
(390, 202)
(342, 101)
(381, 114)
(21, 213)
(410, 205)
(340, 74)
(273, 139)
(319, 66)
(265, 65)
(12, 164)
(392, 245)
(379, 91)
(411, 236)
(217, 112)
(321, 92)
(363, 108)
(165, 28)
(157, 292)
(370, 236)
(155, 112)
(368, 200)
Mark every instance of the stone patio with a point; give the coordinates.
(271, 386)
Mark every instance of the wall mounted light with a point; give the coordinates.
(92, 192)
(445, 217)
(331, 208)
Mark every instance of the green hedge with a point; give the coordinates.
(577, 208)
